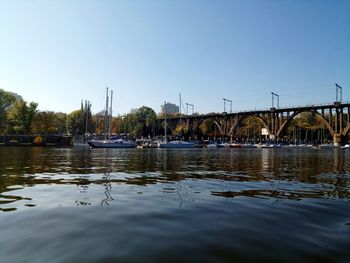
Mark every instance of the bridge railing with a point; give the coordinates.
(286, 108)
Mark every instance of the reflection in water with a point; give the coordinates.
(260, 173)
(159, 205)
(339, 159)
(83, 190)
(108, 189)
(265, 153)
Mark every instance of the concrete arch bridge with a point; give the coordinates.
(335, 117)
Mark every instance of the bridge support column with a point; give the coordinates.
(337, 138)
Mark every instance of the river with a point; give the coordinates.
(160, 205)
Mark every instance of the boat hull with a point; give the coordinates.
(103, 144)
(81, 144)
(177, 145)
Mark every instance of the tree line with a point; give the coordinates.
(20, 117)
(23, 118)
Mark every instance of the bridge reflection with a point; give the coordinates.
(103, 177)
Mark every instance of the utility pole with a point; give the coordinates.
(278, 99)
(191, 105)
(230, 101)
(337, 87)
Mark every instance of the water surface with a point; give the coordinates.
(159, 205)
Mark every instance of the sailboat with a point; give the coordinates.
(107, 142)
(173, 144)
(176, 144)
(119, 143)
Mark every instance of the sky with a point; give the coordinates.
(60, 52)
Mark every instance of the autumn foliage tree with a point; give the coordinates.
(49, 122)
(6, 100)
(20, 116)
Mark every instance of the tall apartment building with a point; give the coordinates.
(169, 108)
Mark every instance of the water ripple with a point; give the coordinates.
(225, 205)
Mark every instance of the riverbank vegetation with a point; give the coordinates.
(19, 117)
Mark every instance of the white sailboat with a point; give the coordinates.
(119, 143)
(176, 144)
(173, 144)
(81, 144)
(107, 142)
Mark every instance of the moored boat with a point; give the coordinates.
(236, 145)
(212, 145)
(346, 146)
(326, 146)
(176, 144)
(81, 144)
(119, 143)
(248, 145)
(223, 145)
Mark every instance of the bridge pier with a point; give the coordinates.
(337, 139)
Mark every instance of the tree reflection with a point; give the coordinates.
(258, 173)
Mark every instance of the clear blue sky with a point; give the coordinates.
(59, 52)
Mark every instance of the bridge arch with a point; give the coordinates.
(296, 113)
(334, 116)
(346, 130)
(245, 116)
(215, 120)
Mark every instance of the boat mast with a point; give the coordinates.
(165, 120)
(106, 116)
(86, 115)
(180, 107)
(87, 110)
(110, 117)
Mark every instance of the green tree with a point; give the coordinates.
(60, 122)
(79, 120)
(130, 123)
(117, 125)
(49, 122)
(75, 122)
(6, 100)
(308, 126)
(20, 116)
(207, 127)
(139, 122)
(146, 121)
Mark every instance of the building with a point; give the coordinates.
(18, 97)
(169, 108)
